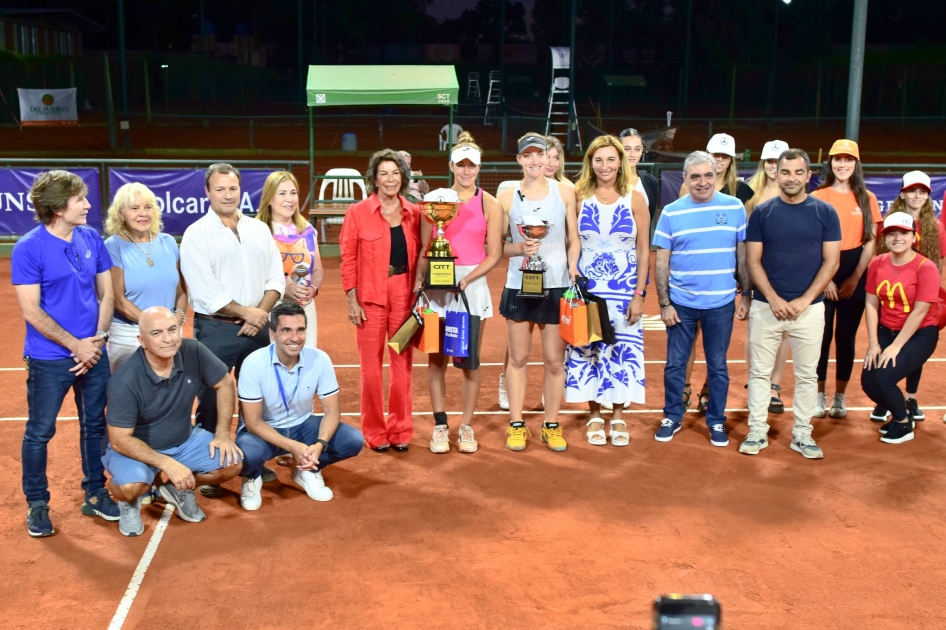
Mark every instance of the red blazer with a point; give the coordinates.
(365, 244)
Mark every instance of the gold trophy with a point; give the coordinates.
(533, 267)
(440, 207)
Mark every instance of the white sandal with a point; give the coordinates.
(596, 437)
(619, 438)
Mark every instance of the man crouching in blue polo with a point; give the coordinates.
(150, 399)
(278, 385)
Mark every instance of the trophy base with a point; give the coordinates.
(442, 273)
(533, 285)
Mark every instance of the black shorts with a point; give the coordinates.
(535, 310)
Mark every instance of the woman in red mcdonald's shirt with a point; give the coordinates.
(931, 243)
(901, 325)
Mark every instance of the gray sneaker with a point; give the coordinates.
(754, 442)
(807, 447)
(821, 406)
(184, 501)
(129, 522)
(269, 475)
(838, 410)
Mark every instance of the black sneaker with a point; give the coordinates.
(37, 520)
(884, 428)
(99, 503)
(898, 433)
(914, 411)
(879, 414)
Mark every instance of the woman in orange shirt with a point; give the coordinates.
(843, 187)
(379, 243)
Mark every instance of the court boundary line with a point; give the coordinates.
(349, 366)
(525, 412)
(124, 606)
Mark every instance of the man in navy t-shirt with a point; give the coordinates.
(60, 271)
(793, 250)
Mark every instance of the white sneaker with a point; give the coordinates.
(440, 440)
(821, 406)
(250, 498)
(313, 484)
(503, 398)
(838, 410)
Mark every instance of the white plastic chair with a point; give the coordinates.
(342, 190)
(457, 130)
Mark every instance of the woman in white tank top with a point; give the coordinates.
(551, 201)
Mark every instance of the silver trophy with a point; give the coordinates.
(533, 267)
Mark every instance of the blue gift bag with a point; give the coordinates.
(456, 335)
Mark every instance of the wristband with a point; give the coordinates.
(747, 294)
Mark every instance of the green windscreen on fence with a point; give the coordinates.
(328, 86)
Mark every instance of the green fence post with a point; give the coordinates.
(311, 161)
(144, 63)
(110, 105)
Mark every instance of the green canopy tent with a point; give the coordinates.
(334, 86)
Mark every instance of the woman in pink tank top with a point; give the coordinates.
(476, 237)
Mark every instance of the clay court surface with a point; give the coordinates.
(581, 539)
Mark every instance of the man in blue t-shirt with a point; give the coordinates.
(700, 254)
(60, 271)
(277, 387)
(793, 251)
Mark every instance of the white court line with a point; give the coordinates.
(350, 366)
(124, 606)
(525, 412)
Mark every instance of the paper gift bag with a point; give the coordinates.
(594, 322)
(429, 338)
(607, 330)
(400, 340)
(472, 360)
(456, 335)
(573, 321)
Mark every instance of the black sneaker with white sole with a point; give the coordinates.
(898, 433)
(916, 414)
(879, 414)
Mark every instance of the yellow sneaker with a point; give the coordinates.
(552, 436)
(516, 436)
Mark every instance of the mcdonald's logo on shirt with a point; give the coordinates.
(891, 291)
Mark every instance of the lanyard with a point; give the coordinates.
(282, 390)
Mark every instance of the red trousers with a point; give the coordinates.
(382, 323)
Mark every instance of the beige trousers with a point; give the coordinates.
(804, 336)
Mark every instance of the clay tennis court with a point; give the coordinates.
(582, 539)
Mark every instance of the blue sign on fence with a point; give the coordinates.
(17, 215)
(180, 192)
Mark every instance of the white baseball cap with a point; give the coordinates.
(916, 178)
(722, 143)
(442, 194)
(772, 150)
(465, 152)
(898, 221)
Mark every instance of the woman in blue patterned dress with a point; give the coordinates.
(614, 229)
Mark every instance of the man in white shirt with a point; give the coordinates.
(234, 277)
(277, 388)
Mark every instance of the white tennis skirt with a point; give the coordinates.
(477, 294)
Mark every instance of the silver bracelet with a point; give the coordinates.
(183, 315)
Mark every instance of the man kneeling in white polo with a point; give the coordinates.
(149, 422)
(277, 387)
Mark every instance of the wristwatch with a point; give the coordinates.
(103, 334)
(323, 443)
(640, 292)
(664, 305)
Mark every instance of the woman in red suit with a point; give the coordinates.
(379, 243)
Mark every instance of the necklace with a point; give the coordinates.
(150, 247)
(604, 200)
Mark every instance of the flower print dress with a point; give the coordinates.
(608, 259)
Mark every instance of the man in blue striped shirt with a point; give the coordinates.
(700, 253)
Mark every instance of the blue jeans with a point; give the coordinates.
(347, 442)
(47, 383)
(716, 324)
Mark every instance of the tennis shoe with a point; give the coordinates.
(37, 520)
(99, 503)
(129, 523)
(184, 501)
(313, 484)
(250, 498)
(553, 437)
(516, 434)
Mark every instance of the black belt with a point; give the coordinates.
(221, 318)
(396, 271)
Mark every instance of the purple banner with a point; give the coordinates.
(887, 188)
(180, 192)
(17, 215)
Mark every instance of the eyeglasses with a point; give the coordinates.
(296, 258)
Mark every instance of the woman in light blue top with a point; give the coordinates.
(145, 267)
